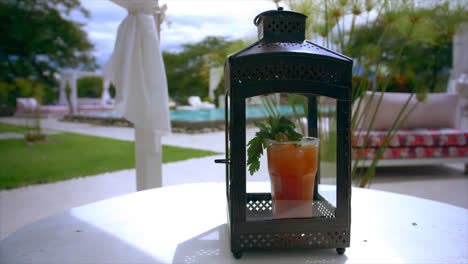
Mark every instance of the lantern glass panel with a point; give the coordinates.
(328, 149)
(296, 189)
(257, 111)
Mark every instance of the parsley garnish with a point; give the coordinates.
(277, 128)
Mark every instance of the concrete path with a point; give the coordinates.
(10, 135)
(209, 141)
(22, 206)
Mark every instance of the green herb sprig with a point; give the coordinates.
(276, 127)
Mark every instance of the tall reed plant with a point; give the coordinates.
(360, 29)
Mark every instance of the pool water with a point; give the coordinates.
(209, 114)
(218, 113)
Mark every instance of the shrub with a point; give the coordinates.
(89, 87)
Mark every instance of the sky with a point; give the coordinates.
(191, 21)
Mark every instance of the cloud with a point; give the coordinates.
(191, 20)
(199, 20)
(180, 33)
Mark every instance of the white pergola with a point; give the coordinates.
(70, 78)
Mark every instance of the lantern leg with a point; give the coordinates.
(237, 255)
(340, 251)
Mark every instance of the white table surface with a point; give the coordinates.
(187, 224)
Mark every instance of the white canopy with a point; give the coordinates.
(137, 71)
(70, 78)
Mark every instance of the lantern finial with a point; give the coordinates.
(281, 26)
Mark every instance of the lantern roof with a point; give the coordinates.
(284, 32)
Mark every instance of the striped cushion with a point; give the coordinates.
(415, 138)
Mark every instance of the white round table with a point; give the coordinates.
(187, 224)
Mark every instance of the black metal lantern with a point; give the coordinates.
(282, 61)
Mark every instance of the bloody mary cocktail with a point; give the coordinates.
(292, 167)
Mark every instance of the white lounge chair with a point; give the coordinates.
(196, 103)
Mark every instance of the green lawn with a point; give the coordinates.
(68, 155)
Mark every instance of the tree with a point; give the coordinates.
(427, 54)
(37, 41)
(89, 87)
(188, 71)
(218, 57)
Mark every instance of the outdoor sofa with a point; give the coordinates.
(432, 133)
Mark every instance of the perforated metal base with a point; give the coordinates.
(260, 207)
(304, 240)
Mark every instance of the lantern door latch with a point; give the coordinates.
(225, 161)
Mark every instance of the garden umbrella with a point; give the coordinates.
(137, 71)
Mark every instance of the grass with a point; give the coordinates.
(68, 155)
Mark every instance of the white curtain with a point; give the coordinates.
(137, 71)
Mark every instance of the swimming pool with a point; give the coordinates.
(208, 114)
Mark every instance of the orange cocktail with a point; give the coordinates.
(292, 167)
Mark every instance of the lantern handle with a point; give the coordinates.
(225, 161)
(280, 9)
(257, 18)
